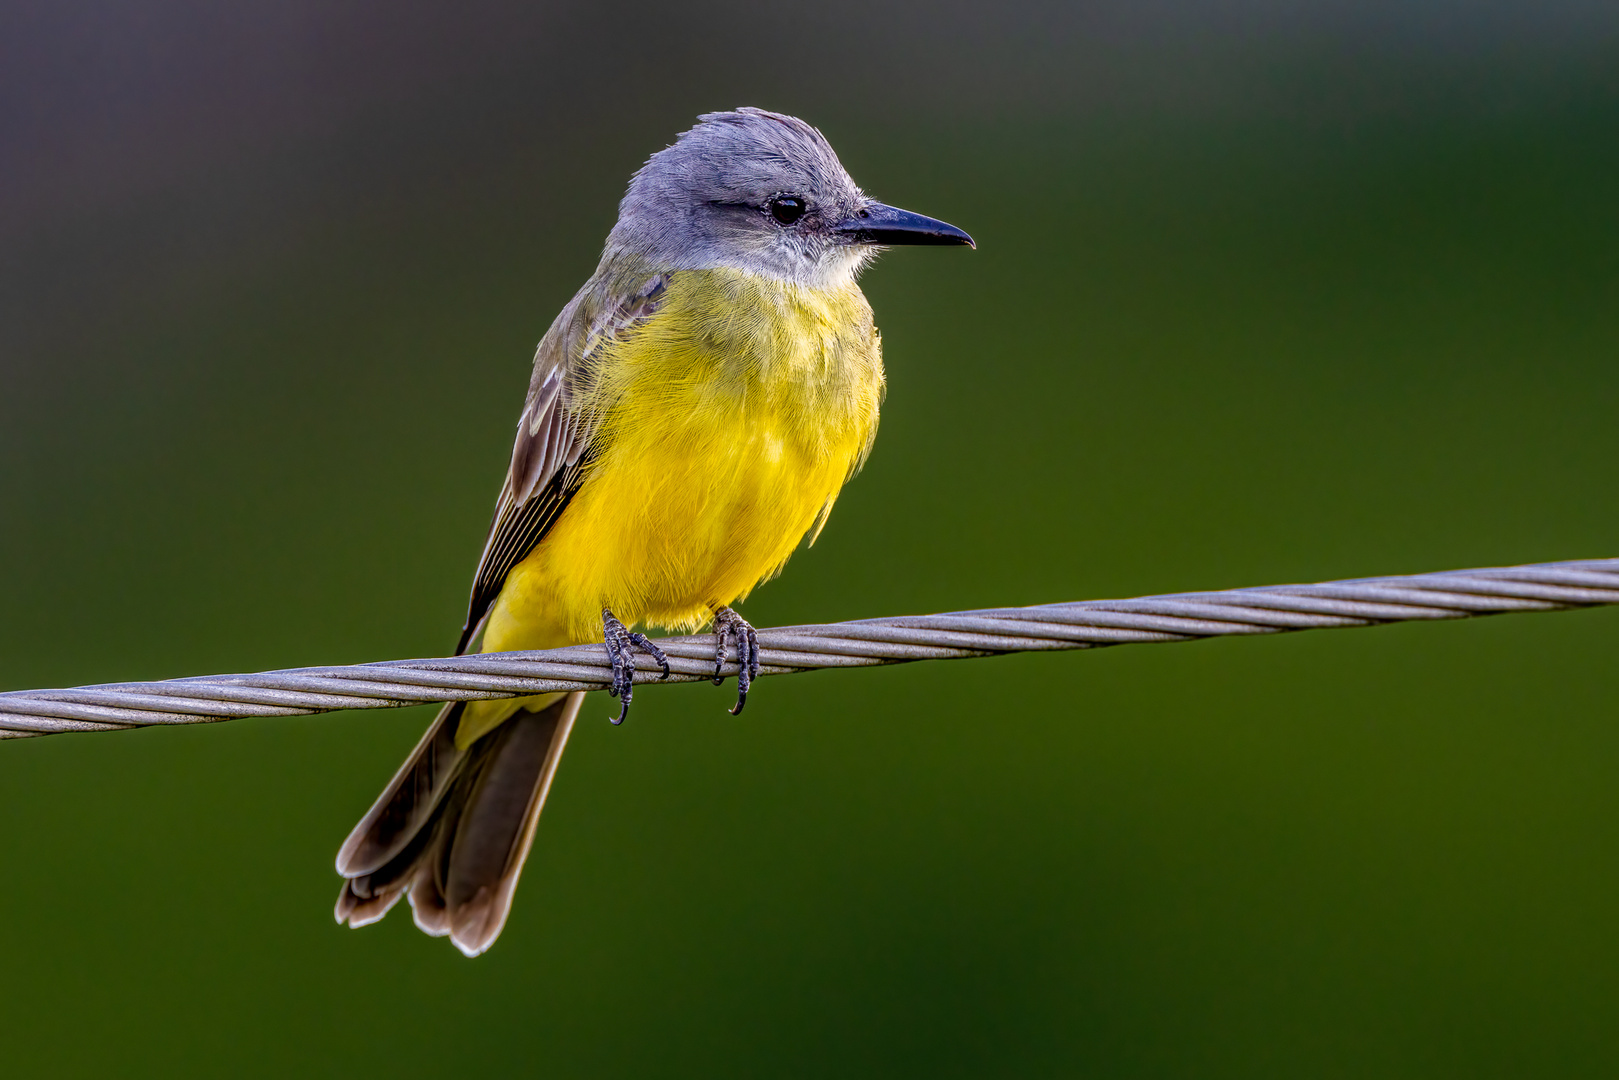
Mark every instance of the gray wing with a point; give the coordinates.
(554, 436)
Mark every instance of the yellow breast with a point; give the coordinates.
(728, 423)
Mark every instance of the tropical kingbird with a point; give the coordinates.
(694, 411)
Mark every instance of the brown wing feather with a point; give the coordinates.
(553, 443)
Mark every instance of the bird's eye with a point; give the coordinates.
(786, 209)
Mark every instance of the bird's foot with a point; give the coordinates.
(729, 627)
(622, 643)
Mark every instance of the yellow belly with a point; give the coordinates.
(729, 422)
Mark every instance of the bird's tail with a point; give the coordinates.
(454, 825)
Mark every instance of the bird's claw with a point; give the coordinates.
(729, 627)
(622, 643)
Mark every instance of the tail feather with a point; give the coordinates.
(471, 826)
(408, 802)
(359, 912)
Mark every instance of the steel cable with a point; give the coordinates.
(1087, 624)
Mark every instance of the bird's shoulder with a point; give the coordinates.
(556, 427)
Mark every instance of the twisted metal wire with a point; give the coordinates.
(1087, 624)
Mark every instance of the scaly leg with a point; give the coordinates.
(621, 644)
(728, 627)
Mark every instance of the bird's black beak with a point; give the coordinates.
(891, 227)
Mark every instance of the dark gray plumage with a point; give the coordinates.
(696, 205)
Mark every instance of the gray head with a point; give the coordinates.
(762, 192)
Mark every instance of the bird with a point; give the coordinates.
(693, 413)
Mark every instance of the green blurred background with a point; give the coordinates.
(1263, 293)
